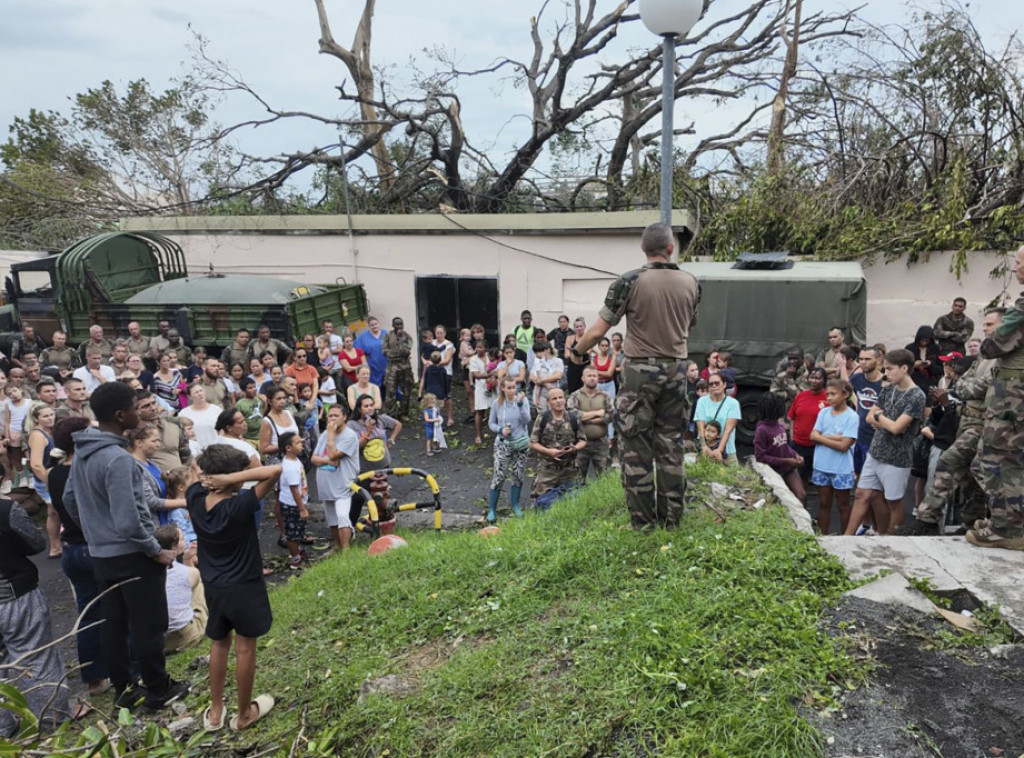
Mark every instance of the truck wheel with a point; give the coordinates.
(748, 398)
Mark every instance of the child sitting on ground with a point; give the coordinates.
(178, 480)
(186, 603)
(431, 422)
(231, 567)
(712, 431)
(293, 498)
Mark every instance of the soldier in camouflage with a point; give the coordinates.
(660, 303)
(999, 466)
(595, 408)
(791, 380)
(397, 348)
(557, 438)
(954, 329)
(954, 467)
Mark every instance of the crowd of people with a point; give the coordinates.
(157, 460)
(868, 425)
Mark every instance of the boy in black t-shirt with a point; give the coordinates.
(231, 567)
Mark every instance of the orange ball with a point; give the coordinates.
(385, 543)
(488, 531)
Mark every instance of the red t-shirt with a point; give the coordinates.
(804, 412)
(349, 364)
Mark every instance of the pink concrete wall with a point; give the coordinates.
(902, 297)
(556, 273)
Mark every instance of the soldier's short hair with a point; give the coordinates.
(656, 239)
(998, 310)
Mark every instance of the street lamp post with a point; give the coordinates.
(668, 19)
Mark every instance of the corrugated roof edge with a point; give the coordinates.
(422, 223)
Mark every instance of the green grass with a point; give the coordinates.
(566, 635)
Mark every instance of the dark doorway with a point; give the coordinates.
(458, 302)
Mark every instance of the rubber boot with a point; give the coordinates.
(514, 497)
(492, 506)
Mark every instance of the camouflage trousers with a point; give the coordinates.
(551, 474)
(954, 470)
(397, 376)
(650, 418)
(999, 465)
(596, 453)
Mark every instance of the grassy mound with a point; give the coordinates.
(567, 634)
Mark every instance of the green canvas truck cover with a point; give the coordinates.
(758, 314)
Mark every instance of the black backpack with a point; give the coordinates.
(545, 419)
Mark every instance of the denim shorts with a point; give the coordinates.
(835, 481)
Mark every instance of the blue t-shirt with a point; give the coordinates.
(375, 358)
(710, 410)
(826, 459)
(867, 395)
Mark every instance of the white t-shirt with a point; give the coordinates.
(179, 597)
(335, 342)
(291, 473)
(328, 396)
(91, 382)
(18, 414)
(205, 423)
(446, 349)
(242, 446)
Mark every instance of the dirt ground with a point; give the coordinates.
(919, 700)
(922, 700)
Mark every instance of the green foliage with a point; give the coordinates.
(127, 737)
(916, 144)
(566, 634)
(789, 211)
(113, 154)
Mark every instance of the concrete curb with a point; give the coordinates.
(797, 513)
(948, 563)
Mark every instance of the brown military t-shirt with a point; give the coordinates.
(216, 392)
(581, 402)
(661, 305)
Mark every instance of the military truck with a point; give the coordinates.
(762, 305)
(112, 279)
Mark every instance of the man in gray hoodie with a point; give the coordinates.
(105, 495)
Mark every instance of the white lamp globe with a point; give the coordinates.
(670, 17)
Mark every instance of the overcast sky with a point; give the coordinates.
(52, 49)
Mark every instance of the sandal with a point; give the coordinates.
(209, 725)
(263, 703)
(307, 540)
(80, 711)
